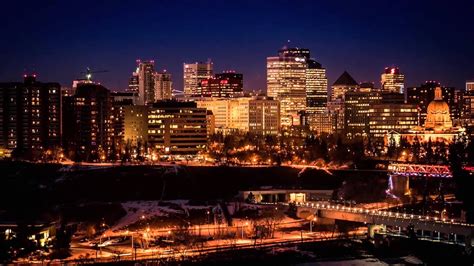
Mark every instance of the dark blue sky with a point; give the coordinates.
(58, 39)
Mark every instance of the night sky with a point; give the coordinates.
(59, 39)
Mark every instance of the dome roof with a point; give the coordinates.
(437, 115)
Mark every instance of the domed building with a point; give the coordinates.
(438, 118)
(438, 126)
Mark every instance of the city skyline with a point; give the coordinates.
(340, 39)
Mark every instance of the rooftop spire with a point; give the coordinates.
(438, 94)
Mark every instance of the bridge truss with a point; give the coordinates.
(421, 170)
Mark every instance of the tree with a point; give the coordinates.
(463, 179)
(250, 198)
(61, 243)
(392, 147)
(429, 151)
(324, 150)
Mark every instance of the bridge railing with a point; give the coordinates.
(382, 213)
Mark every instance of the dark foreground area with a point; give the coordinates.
(335, 252)
(39, 191)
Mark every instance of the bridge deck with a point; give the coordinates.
(388, 218)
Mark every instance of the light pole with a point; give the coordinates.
(246, 224)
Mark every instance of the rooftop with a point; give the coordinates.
(346, 79)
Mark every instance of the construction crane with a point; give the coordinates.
(88, 73)
(177, 93)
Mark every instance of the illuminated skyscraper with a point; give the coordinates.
(345, 83)
(316, 88)
(392, 80)
(163, 86)
(286, 82)
(146, 87)
(193, 74)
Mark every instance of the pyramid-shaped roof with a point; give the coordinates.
(346, 79)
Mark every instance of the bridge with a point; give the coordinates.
(439, 171)
(400, 173)
(450, 230)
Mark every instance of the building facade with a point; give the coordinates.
(392, 80)
(133, 82)
(177, 128)
(193, 74)
(224, 85)
(30, 115)
(93, 121)
(146, 82)
(264, 116)
(469, 103)
(120, 100)
(163, 86)
(135, 124)
(356, 112)
(259, 115)
(424, 94)
(286, 82)
(316, 92)
(438, 125)
(345, 83)
(387, 117)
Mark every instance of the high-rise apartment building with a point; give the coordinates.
(146, 81)
(93, 121)
(177, 127)
(30, 115)
(163, 86)
(135, 124)
(392, 80)
(345, 83)
(286, 82)
(121, 100)
(193, 74)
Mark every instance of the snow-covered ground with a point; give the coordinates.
(137, 210)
